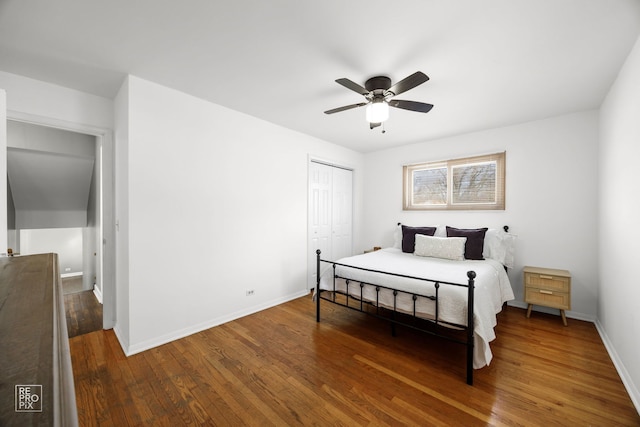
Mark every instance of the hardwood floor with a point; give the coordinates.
(280, 367)
(71, 285)
(84, 313)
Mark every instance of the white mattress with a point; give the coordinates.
(492, 289)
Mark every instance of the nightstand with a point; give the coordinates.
(547, 287)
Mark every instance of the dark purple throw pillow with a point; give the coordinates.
(409, 236)
(475, 240)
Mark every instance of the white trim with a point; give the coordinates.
(124, 344)
(627, 381)
(97, 293)
(333, 165)
(323, 161)
(167, 338)
(34, 119)
(65, 275)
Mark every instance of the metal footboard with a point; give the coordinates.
(392, 314)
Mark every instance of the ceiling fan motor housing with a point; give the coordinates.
(378, 83)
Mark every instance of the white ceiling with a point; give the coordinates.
(49, 169)
(491, 62)
(43, 181)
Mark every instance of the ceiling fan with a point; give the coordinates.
(380, 94)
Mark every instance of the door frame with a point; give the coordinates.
(330, 163)
(106, 267)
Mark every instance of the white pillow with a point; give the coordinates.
(440, 247)
(397, 237)
(500, 246)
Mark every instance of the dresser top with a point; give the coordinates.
(548, 271)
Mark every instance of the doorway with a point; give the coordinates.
(330, 214)
(99, 232)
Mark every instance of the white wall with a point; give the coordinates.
(49, 101)
(216, 205)
(66, 242)
(551, 197)
(122, 327)
(619, 293)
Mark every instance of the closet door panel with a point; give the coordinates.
(319, 221)
(330, 215)
(342, 212)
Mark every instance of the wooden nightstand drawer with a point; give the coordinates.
(550, 282)
(548, 298)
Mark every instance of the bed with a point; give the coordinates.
(444, 280)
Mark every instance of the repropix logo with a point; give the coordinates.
(28, 398)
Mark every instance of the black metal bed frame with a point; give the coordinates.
(398, 317)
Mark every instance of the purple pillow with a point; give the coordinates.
(475, 240)
(409, 236)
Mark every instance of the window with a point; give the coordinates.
(469, 183)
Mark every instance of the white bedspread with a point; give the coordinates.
(492, 289)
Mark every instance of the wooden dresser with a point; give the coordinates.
(547, 287)
(34, 345)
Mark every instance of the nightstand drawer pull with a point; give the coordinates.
(546, 277)
(542, 291)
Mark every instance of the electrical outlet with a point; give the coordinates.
(250, 292)
(67, 269)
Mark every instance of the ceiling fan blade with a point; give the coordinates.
(410, 82)
(346, 107)
(374, 125)
(353, 86)
(420, 107)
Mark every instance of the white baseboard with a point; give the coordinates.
(120, 336)
(164, 339)
(634, 394)
(65, 275)
(98, 293)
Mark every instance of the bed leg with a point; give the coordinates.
(393, 314)
(318, 285)
(470, 327)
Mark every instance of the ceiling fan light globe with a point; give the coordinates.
(377, 112)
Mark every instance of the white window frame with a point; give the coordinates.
(497, 203)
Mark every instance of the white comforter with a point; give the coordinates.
(492, 289)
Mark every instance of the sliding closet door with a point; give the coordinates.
(330, 214)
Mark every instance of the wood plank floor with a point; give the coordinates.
(83, 312)
(280, 367)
